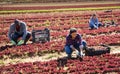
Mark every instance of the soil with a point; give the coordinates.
(47, 57)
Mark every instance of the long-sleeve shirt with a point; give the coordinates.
(76, 42)
(92, 21)
(23, 30)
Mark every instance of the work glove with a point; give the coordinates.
(13, 42)
(77, 53)
(20, 42)
(80, 54)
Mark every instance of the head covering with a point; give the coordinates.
(94, 15)
(16, 22)
(72, 30)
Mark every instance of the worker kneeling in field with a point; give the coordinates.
(74, 42)
(94, 23)
(18, 30)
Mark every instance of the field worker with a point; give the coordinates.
(74, 42)
(18, 33)
(94, 23)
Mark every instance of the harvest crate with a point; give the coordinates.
(97, 51)
(41, 36)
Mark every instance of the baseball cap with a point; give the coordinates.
(72, 30)
(16, 22)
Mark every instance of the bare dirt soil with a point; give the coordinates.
(48, 57)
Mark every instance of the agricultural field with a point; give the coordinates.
(48, 58)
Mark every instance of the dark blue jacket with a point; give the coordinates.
(75, 42)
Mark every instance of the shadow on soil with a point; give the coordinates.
(6, 47)
(63, 61)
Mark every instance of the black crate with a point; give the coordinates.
(93, 52)
(41, 36)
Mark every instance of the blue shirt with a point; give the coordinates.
(92, 21)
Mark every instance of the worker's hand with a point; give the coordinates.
(77, 52)
(81, 53)
(96, 26)
(13, 42)
(20, 42)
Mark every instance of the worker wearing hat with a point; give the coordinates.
(18, 30)
(74, 42)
